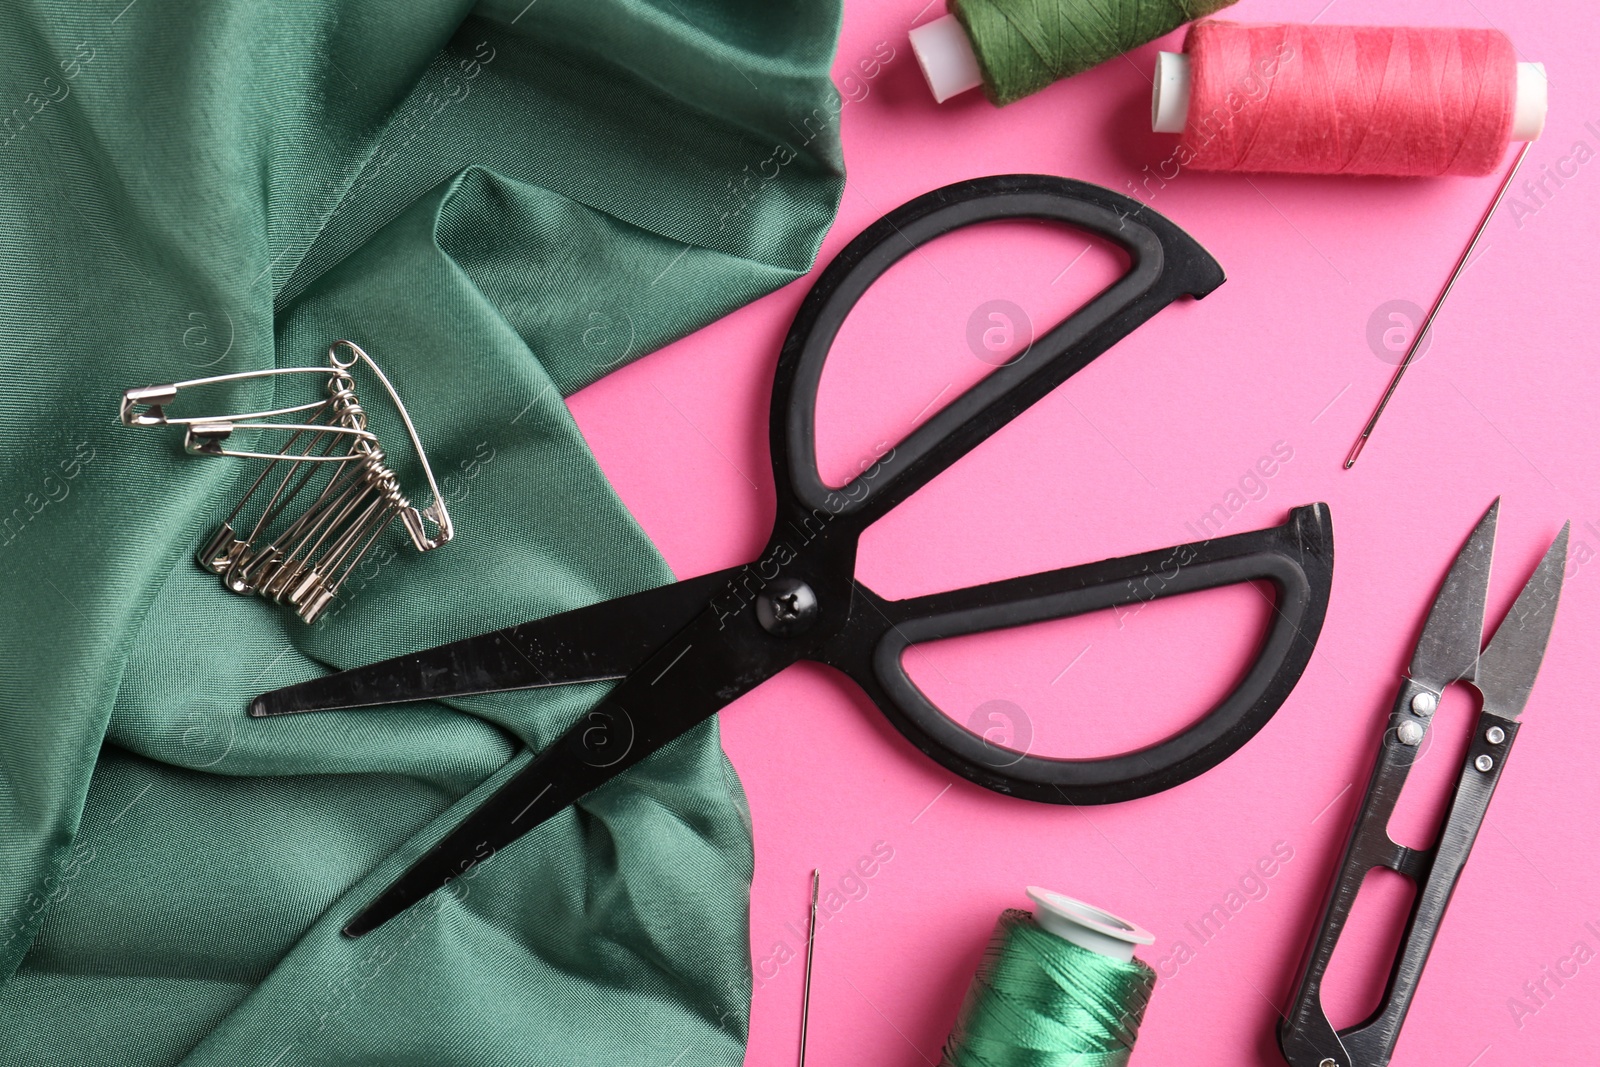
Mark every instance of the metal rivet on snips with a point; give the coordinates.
(324, 497)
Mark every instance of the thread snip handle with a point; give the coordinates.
(1374, 1041)
(1306, 1035)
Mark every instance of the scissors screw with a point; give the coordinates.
(1484, 763)
(786, 607)
(1328, 1061)
(1424, 703)
(1410, 732)
(1495, 735)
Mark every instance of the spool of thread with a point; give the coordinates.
(1014, 48)
(1300, 99)
(1057, 988)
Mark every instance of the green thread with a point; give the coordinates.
(1040, 1001)
(1024, 45)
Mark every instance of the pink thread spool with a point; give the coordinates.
(1301, 99)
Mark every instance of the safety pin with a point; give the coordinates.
(157, 397)
(205, 439)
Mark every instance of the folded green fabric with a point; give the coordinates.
(501, 203)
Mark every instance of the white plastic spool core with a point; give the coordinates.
(946, 57)
(1533, 102)
(1086, 925)
(1169, 99)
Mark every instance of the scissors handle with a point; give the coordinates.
(1297, 558)
(1164, 264)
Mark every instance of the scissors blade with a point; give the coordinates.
(599, 642)
(1510, 664)
(693, 675)
(1448, 649)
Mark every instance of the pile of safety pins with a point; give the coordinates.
(331, 459)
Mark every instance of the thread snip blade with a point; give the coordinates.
(1448, 649)
(1509, 666)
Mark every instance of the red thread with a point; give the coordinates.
(1348, 99)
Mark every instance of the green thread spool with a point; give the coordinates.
(1059, 988)
(1017, 47)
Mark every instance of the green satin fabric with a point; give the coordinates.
(501, 203)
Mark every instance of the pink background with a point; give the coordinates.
(1119, 460)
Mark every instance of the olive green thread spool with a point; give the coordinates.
(1014, 48)
(1058, 988)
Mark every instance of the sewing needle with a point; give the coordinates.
(811, 945)
(1427, 322)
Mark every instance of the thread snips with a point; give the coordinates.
(1503, 675)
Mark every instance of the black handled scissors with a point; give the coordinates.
(1503, 674)
(684, 651)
